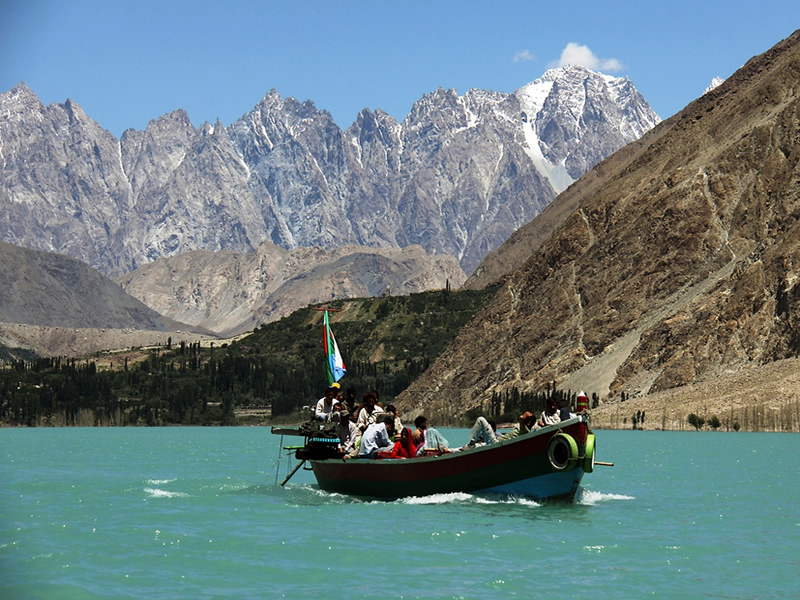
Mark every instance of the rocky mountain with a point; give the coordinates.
(55, 305)
(457, 176)
(51, 290)
(675, 261)
(230, 293)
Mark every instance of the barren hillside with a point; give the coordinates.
(674, 262)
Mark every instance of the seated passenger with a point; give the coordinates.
(427, 438)
(324, 407)
(421, 424)
(350, 400)
(377, 438)
(369, 414)
(348, 432)
(485, 431)
(398, 424)
(403, 448)
(526, 423)
(550, 414)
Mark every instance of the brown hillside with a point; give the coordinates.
(674, 261)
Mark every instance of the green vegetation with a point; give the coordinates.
(695, 421)
(386, 343)
(713, 422)
(506, 407)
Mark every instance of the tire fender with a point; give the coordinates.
(562, 451)
(588, 454)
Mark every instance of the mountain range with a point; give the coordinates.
(668, 273)
(457, 176)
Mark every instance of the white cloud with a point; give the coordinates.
(575, 54)
(524, 56)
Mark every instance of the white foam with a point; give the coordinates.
(438, 498)
(591, 497)
(157, 493)
(464, 497)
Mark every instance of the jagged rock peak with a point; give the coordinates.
(20, 93)
(575, 82)
(179, 118)
(18, 103)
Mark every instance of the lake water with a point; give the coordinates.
(196, 513)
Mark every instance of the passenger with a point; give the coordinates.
(403, 448)
(348, 432)
(369, 413)
(428, 438)
(350, 399)
(421, 424)
(526, 423)
(550, 414)
(378, 402)
(398, 424)
(564, 413)
(339, 412)
(377, 438)
(324, 407)
(485, 431)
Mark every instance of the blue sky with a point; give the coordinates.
(127, 62)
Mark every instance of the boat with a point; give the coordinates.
(545, 464)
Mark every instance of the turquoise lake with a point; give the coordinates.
(197, 513)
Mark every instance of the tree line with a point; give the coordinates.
(506, 406)
(279, 367)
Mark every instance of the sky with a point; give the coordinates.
(128, 62)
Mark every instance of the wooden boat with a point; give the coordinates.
(547, 463)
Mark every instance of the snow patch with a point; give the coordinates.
(557, 175)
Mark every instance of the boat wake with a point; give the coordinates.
(305, 493)
(159, 493)
(592, 497)
(464, 498)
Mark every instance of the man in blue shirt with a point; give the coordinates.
(377, 438)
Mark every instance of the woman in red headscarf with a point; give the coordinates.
(403, 448)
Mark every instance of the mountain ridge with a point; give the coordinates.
(455, 176)
(231, 293)
(50, 290)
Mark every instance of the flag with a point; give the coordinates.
(334, 365)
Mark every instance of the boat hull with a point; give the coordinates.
(520, 466)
